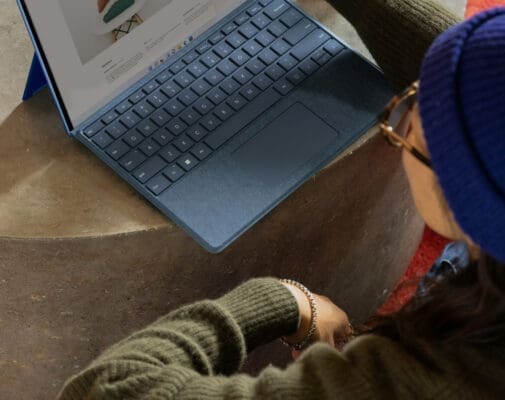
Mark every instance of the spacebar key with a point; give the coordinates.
(248, 114)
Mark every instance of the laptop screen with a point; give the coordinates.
(96, 49)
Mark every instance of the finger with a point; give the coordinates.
(295, 354)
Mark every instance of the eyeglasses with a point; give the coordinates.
(395, 122)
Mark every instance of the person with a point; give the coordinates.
(449, 341)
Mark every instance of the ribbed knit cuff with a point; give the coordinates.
(264, 309)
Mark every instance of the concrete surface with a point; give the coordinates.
(84, 260)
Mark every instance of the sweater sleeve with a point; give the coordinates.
(398, 33)
(195, 352)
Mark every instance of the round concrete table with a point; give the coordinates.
(84, 260)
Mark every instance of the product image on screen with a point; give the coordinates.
(95, 25)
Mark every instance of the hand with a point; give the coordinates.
(102, 4)
(332, 326)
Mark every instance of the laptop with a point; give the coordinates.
(213, 110)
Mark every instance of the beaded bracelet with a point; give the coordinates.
(313, 318)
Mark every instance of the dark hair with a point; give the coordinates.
(460, 313)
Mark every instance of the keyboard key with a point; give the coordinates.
(118, 149)
(265, 3)
(162, 137)
(230, 86)
(173, 172)
(252, 48)
(239, 58)
(299, 31)
(216, 38)
(235, 40)
(136, 97)
(93, 129)
(177, 67)
(277, 28)
(109, 117)
(129, 119)
(253, 10)
(102, 139)
(229, 28)
(184, 79)
(242, 19)
(264, 38)
(309, 44)
(157, 99)
(309, 67)
(170, 89)
(190, 57)
(237, 101)
(267, 56)
(148, 169)
(333, 47)
(143, 110)
(223, 49)
(260, 21)
(201, 151)
(187, 162)
(123, 107)
(146, 128)
(321, 57)
(214, 77)
(216, 95)
(203, 47)
(287, 62)
(163, 77)
(187, 97)
(116, 129)
(250, 92)
(160, 117)
(148, 147)
(291, 17)
(283, 87)
(263, 82)
(150, 87)
(210, 122)
(275, 72)
(176, 126)
(280, 46)
(276, 8)
(196, 133)
(132, 160)
(248, 30)
(243, 76)
(169, 153)
(158, 184)
(133, 138)
(197, 69)
(226, 67)
(174, 107)
(189, 116)
(255, 66)
(234, 125)
(296, 76)
(201, 87)
(210, 59)
(183, 143)
(203, 106)
(223, 112)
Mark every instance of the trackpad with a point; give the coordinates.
(285, 145)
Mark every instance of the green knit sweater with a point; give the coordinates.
(196, 351)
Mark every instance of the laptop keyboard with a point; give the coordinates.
(176, 121)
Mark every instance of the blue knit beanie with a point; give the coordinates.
(462, 107)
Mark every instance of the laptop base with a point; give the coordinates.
(36, 80)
